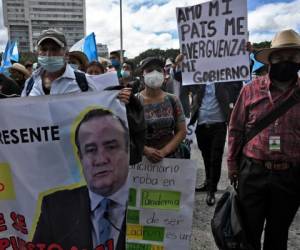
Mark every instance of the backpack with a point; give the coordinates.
(184, 148)
(226, 224)
(80, 79)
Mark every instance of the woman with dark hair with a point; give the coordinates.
(128, 78)
(165, 121)
(95, 68)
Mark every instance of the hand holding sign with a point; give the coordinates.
(179, 58)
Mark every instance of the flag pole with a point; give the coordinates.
(121, 33)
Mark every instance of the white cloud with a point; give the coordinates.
(147, 27)
(152, 25)
(270, 18)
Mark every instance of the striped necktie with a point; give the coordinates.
(104, 224)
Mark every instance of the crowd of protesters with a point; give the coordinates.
(265, 170)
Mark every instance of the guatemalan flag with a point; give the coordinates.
(10, 53)
(256, 64)
(87, 45)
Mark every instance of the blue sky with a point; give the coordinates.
(253, 4)
(152, 23)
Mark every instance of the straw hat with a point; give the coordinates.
(81, 57)
(286, 39)
(21, 68)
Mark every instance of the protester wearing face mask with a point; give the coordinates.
(54, 76)
(128, 79)
(268, 172)
(115, 59)
(78, 60)
(165, 122)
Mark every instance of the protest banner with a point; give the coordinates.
(213, 38)
(44, 146)
(160, 206)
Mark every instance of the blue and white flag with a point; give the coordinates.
(87, 45)
(5, 62)
(256, 64)
(14, 55)
(10, 54)
(6, 55)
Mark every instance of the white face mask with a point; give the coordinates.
(154, 79)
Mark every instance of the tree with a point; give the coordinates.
(27, 56)
(262, 45)
(24, 56)
(162, 54)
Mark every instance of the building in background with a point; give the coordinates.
(25, 19)
(102, 50)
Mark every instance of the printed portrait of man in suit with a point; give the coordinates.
(92, 216)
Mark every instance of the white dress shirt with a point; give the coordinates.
(67, 83)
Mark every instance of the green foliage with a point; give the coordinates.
(24, 56)
(27, 56)
(162, 54)
(262, 45)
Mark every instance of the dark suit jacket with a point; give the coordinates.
(226, 93)
(65, 220)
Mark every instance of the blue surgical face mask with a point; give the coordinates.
(51, 63)
(74, 66)
(115, 63)
(125, 73)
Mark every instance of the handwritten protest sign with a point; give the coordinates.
(39, 158)
(160, 211)
(213, 38)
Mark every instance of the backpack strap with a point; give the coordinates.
(81, 81)
(270, 117)
(173, 103)
(29, 86)
(171, 99)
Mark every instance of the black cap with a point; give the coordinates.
(54, 35)
(150, 61)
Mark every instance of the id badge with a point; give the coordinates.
(274, 143)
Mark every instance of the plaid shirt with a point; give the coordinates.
(256, 100)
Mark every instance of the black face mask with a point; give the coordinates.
(284, 71)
